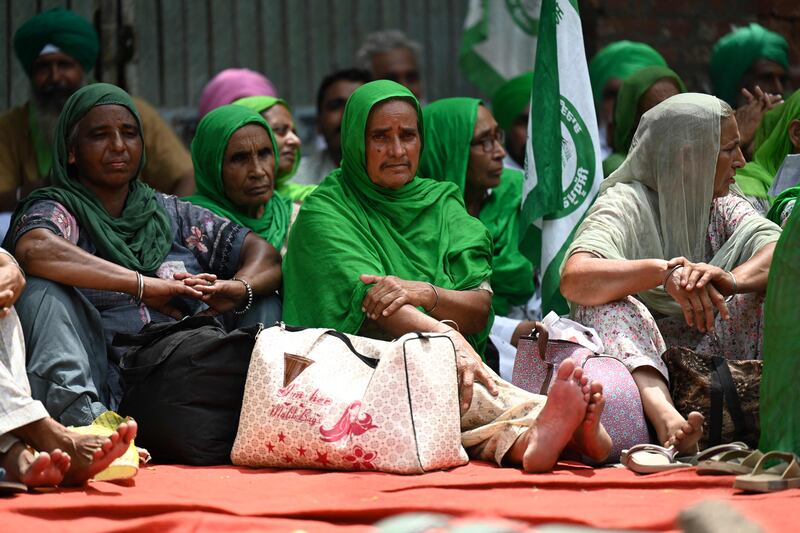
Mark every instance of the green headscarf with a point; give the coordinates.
(208, 151)
(350, 226)
(780, 203)
(627, 109)
(139, 239)
(511, 99)
(449, 126)
(735, 53)
(295, 192)
(756, 177)
(67, 30)
(619, 60)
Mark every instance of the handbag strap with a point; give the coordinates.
(369, 361)
(722, 369)
(715, 412)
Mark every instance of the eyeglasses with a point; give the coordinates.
(488, 140)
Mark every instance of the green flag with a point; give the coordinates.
(562, 168)
(497, 41)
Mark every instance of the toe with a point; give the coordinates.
(565, 369)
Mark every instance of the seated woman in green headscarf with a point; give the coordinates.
(638, 94)
(106, 254)
(756, 178)
(662, 247)
(235, 162)
(379, 251)
(464, 146)
(278, 115)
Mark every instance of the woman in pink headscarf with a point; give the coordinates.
(232, 84)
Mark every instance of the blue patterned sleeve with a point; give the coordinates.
(215, 241)
(47, 214)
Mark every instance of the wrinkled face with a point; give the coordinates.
(280, 120)
(517, 137)
(730, 157)
(485, 167)
(107, 148)
(248, 167)
(399, 65)
(330, 116)
(392, 144)
(55, 77)
(768, 75)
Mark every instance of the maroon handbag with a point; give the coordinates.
(623, 417)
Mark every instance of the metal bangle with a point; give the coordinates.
(436, 302)
(669, 275)
(139, 288)
(249, 304)
(735, 285)
(447, 321)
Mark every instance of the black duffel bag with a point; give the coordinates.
(183, 383)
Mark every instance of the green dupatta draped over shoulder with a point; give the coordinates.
(208, 152)
(296, 192)
(142, 236)
(349, 226)
(657, 205)
(757, 176)
(449, 127)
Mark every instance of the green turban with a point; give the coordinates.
(511, 99)
(736, 52)
(68, 31)
(619, 60)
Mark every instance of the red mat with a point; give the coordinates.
(178, 498)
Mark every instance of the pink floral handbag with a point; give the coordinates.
(317, 398)
(623, 417)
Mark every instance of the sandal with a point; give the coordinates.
(732, 462)
(785, 475)
(651, 458)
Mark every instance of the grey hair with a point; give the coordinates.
(726, 111)
(380, 42)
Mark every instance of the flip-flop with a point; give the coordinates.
(729, 463)
(651, 458)
(785, 475)
(10, 487)
(714, 451)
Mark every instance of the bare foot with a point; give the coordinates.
(93, 455)
(563, 412)
(685, 435)
(41, 470)
(90, 453)
(591, 438)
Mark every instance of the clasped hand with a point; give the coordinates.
(220, 295)
(700, 289)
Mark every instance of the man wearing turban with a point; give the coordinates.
(511, 105)
(749, 71)
(57, 49)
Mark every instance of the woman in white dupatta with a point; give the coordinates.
(665, 243)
